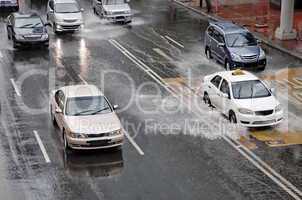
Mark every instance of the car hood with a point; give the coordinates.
(117, 8)
(93, 124)
(69, 16)
(26, 31)
(245, 51)
(258, 104)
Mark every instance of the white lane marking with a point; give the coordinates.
(42, 147)
(163, 54)
(175, 42)
(82, 79)
(134, 144)
(15, 87)
(287, 186)
(131, 140)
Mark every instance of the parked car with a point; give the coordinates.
(27, 29)
(234, 46)
(65, 15)
(12, 4)
(113, 10)
(86, 118)
(243, 98)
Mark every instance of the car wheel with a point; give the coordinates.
(207, 99)
(208, 53)
(66, 145)
(232, 117)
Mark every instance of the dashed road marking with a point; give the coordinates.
(42, 147)
(248, 154)
(82, 79)
(163, 54)
(175, 42)
(15, 87)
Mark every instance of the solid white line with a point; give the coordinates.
(15, 87)
(134, 144)
(82, 79)
(252, 159)
(42, 147)
(175, 42)
(163, 54)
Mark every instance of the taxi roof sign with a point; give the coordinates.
(238, 72)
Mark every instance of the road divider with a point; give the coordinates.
(42, 147)
(292, 190)
(15, 87)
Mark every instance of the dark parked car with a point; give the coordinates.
(234, 46)
(27, 29)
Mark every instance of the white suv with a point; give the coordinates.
(64, 15)
(243, 97)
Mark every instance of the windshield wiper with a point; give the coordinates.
(34, 26)
(83, 112)
(98, 111)
(25, 25)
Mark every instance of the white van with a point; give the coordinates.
(64, 15)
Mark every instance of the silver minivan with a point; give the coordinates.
(64, 15)
(113, 10)
(233, 46)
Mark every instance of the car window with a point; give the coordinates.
(249, 89)
(211, 31)
(216, 81)
(224, 88)
(218, 36)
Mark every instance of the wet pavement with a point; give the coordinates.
(152, 69)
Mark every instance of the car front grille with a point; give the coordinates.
(119, 13)
(73, 27)
(250, 58)
(264, 112)
(70, 20)
(32, 38)
(264, 122)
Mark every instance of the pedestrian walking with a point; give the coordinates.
(208, 4)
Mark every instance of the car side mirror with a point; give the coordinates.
(221, 44)
(115, 107)
(82, 10)
(58, 110)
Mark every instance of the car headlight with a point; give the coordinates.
(117, 132)
(44, 36)
(278, 108)
(108, 12)
(262, 54)
(235, 57)
(246, 111)
(19, 37)
(78, 135)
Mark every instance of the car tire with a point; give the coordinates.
(232, 117)
(65, 142)
(207, 99)
(208, 53)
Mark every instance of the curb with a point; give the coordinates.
(266, 41)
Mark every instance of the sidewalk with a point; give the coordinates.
(261, 18)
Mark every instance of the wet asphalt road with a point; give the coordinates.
(178, 163)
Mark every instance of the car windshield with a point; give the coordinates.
(113, 2)
(67, 8)
(240, 39)
(87, 106)
(28, 22)
(249, 89)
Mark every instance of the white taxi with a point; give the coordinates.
(85, 117)
(243, 98)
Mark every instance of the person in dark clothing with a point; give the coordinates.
(209, 5)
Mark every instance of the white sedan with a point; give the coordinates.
(243, 98)
(86, 118)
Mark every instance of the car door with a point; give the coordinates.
(224, 101)
(213, 89)
(59, 106)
